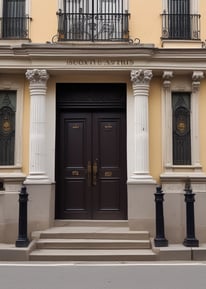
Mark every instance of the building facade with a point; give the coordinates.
(100, 102)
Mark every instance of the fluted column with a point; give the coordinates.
(37, 162)
(197, 76)
(167, 117)
(141, 82)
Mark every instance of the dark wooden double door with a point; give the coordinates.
(91, 181)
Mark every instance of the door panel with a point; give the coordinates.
(76, 141)
(91, 180)
(109, 153)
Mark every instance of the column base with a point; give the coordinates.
(37, 179)
(141, 178)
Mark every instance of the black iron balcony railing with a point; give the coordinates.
(181, 26)
(14, 27)
(93, 27)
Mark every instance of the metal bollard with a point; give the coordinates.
(190, 240)
(22, 240)
(160, 240)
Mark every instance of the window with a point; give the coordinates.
(181, 128)
(93, 20)
(180, 20)
(15, 21)
(7, 127)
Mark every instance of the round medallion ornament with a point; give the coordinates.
(6, 127)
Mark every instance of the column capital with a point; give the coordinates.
(37, 76)
(197, 76)
(141, 76)
(167, 77)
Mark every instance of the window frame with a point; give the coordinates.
(180, 84)
(27, 12)
(15, 85)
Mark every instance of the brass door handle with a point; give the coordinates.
(89, 173)
(95, 171)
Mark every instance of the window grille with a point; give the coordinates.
(14, 21)
(93, 20)
(181, 128)
(7, 127)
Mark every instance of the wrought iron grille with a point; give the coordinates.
(181, 26)
(96, 20)
(181, 129)
(7, 127)
(15, 27)
(15, 22)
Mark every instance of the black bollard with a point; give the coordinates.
(160, 240)
(22, 240)
(190, 240)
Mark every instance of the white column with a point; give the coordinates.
(141, 82)
(37, 162)
(196, 79)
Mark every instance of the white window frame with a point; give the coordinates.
(17, 85)
(180, 84)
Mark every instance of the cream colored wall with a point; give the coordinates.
(202, 9)
(155, 129)
(145, 21)
(44, 20)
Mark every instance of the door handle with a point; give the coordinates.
(89, 173)
(95, 171)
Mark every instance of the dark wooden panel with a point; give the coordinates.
(74, 149)
(109, 150)
(91, 136)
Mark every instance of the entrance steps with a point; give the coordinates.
(92, 241)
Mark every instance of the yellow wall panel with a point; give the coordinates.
(44, 20)
(145, 21)
(155, 129)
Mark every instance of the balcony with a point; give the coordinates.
(14, 27)
(93, 26)
(181, 26)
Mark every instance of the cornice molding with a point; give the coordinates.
(56, 57)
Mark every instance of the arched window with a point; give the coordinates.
(181, 128)
(7, 127)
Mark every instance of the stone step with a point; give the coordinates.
(91, 223)
(91, 233)
(92, 255)
(92, 244)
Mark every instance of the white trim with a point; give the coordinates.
(16, 84)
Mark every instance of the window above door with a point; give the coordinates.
(94, 20)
